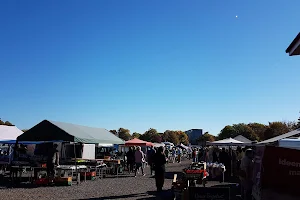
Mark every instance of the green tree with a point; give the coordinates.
(245, 130)
(7, 123)
(275, 129)
(206, 137)
(156, 139)
(183, 137)
(259, 130)
(1, 122)
(136, 135)
(292, 125)
(171, 136)
(115, 132)
(237, 129)
(227, 132)
(24, 130)
(150, 135)
(124, 134)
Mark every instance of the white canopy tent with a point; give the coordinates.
(227, 142)
(183, 146)
(158, 145)
(9, 132)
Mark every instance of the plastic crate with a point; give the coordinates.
(89, 175)
(41, 181)
(63, 181)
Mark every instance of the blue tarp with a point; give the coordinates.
(26, 142)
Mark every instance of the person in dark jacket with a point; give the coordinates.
(225, 159)
(130, 159)
(159, 161)
(150, 154)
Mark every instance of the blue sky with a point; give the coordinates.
(148, 64)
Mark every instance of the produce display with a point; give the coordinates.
(195, 174)
(196, 171)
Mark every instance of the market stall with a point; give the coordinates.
(276, 155)
(227, 142)
(7, 134)
(215, 169)
(135, 142)
(193, 176)
(78, 143)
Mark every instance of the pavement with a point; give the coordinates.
(125, 188)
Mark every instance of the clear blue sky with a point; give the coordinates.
(141, 64)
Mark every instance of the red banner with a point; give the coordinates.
(281, 170)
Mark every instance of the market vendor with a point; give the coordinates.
(52, 161)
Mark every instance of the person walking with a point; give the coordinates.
(167, 154)
(179, 154)
(139, 160)
(173, 154)
(194, 155)
(159, 161)
(150, 154)
(52, 161)
(130, 159)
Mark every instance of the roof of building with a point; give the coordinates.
(52, 130)
(294, 42)
(137, 142)
(283, 136)
(9, 132)
(242, 139)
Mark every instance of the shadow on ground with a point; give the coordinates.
(165, 195)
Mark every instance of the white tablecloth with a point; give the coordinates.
(71, 167)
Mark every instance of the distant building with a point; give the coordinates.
(194, 134)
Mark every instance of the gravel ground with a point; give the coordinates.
(127, 188)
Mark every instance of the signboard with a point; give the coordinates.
(281, 170)
(209, 193)
(257, 169)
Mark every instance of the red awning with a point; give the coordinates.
(137, 142)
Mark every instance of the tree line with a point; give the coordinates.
(6, 123)
(252, 131)
(152, 135)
